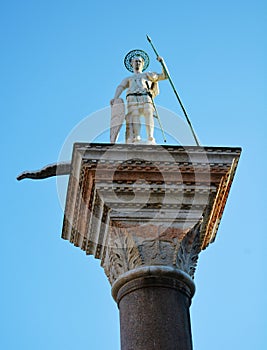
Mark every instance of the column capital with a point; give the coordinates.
(147, 247)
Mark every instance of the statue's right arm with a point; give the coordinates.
(123, 85)
(118, 92)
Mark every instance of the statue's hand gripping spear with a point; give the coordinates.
(174, 90)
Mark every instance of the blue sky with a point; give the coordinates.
(60, 62)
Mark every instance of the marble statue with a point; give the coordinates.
(142, 88)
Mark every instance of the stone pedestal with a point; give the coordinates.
(147, 212)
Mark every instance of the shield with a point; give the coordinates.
(117, 118)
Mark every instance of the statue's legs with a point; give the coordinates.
(135, 111)
(148, 114)
(136, 125)
(129, 135)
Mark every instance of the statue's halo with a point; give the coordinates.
(134, 53)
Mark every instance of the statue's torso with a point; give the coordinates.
(138, 83)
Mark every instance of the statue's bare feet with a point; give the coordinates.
(137, 139)
(151, 141)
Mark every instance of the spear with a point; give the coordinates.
(174, 90)
(157, 116)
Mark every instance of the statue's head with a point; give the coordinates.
(136, 60)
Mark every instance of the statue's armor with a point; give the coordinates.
(138, 83)
(141, 87)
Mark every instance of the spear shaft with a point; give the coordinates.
(157, 116)
(174, 90)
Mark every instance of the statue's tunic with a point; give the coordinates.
(141, 88)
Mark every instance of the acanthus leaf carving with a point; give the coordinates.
(126, 251)
(122, 254)
(189, 249)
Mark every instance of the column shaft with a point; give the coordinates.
(154, 314)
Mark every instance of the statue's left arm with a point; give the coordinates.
(154, 77)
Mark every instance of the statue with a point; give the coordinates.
(142, 88)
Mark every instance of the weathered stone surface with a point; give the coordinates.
(130, 248)
(134, 206)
